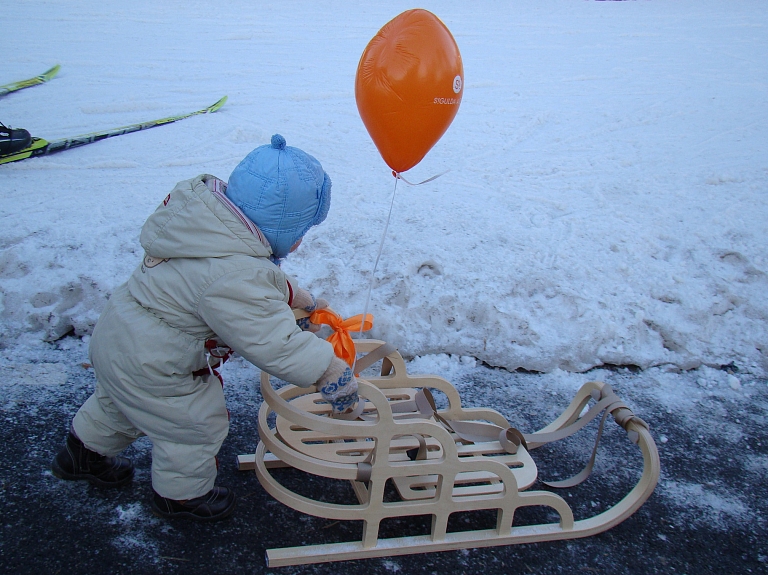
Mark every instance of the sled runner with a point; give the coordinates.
(440, 461)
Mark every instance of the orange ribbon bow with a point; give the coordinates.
(343, 346)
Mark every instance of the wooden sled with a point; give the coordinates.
(449, 461)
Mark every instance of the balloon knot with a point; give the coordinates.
(395, 174)
(278, 142)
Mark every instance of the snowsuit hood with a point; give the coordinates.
(192, 222)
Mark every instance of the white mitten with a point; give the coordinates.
(302, 299)
(338, 386)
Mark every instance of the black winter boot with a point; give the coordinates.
(13, 139)
(217, 504)
(76, 461)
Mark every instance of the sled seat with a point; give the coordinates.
(440, 461)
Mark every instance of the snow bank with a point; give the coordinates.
(605, 204)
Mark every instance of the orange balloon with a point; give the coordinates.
(408, 87)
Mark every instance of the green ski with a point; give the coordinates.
(20, 85)
(40, 147)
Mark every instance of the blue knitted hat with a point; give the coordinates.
(283, 190)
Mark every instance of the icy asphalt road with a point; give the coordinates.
(708, 514)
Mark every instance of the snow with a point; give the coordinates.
(605, 204)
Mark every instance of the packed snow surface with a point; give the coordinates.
(606, 200)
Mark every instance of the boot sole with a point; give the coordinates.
(191, 516)
(92, 479)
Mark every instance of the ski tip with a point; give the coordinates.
(217, 105)
(51, 73)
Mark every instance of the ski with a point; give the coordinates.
(41, 147)
(20, 85)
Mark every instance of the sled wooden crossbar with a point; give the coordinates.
(396, 437)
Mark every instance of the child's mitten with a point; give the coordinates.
(338, 386)
(302, 299)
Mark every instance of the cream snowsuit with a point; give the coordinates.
(207, 277)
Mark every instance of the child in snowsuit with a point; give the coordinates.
(208, 284)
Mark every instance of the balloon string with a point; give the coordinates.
(376, 264)
(400, 177)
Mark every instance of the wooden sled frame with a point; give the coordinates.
(435, 471)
